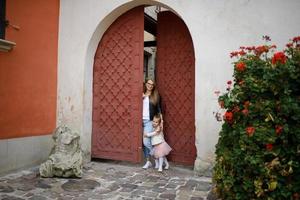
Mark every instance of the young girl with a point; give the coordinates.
(160, 146)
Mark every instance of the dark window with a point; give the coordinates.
(146, 58)
(2, 19)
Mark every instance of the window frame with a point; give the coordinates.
(3, 21)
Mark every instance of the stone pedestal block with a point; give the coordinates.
(65, 159)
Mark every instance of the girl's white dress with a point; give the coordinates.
(160, 146)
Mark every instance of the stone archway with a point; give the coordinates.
(101, 28)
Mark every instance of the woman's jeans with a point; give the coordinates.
(147, 146)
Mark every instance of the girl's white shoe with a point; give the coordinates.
(167, 166)
(147, 165)
(166, 163)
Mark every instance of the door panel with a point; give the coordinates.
(175, 74)
(117, 90)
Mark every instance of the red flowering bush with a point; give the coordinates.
(258, 152)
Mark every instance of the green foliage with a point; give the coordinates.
(258, 152)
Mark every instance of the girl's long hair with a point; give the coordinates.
(154, 96)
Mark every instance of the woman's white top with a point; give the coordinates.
(146, 110)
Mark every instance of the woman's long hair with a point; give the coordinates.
(154, 96)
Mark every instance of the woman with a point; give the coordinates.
(151, 107)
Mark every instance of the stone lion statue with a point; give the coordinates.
(65, 159)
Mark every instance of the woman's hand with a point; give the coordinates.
(161, 122)
(157, 131)
(162, 125)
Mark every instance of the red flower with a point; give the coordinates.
(278, 129)
(228, 116)
(261, 49)
(245, 111)
(250, 130)
(279, 57)
(289, 45)
(296, 39)
(229, 82)
(241, 66)
(269, 147)
(250, 48)
(242, 53)
(234, 53)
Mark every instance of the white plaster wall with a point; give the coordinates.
(24, 152)
(217, 27)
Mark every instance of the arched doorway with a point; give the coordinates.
(117, 88)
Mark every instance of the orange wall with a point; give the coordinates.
(28, 74)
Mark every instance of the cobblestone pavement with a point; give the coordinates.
(108, 180)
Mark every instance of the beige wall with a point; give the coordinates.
(216, 27)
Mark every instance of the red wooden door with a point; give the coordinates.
(175, 74)
(117, 90)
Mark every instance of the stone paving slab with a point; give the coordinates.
(108, 180)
